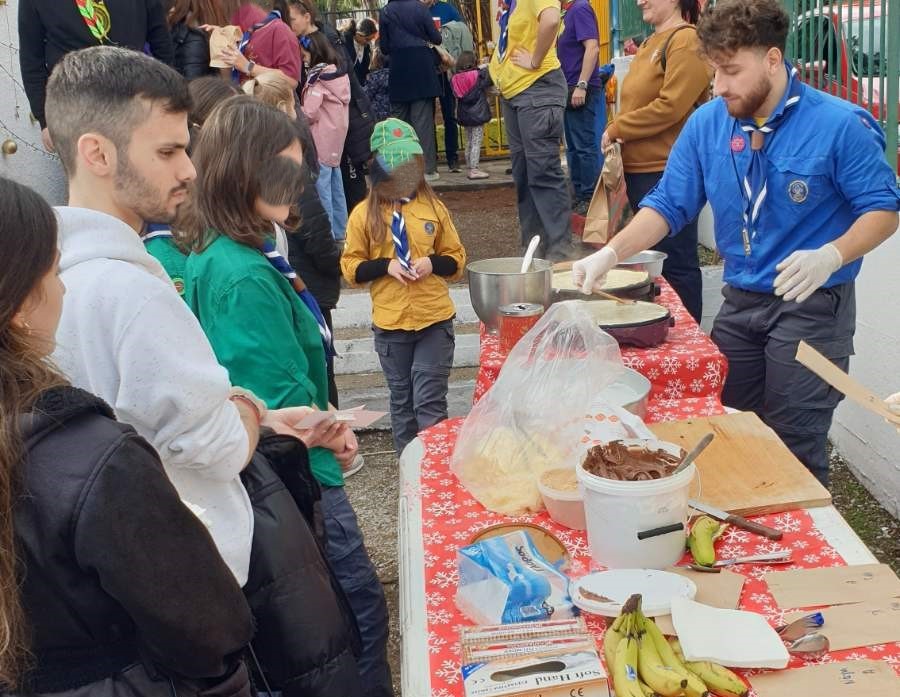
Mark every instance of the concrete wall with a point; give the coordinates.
(31, 164)
(870, 445)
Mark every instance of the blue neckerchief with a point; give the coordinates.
(503, 43)
(245, 39)
(284, 268)
(398, 232)
(754, 183)
(155, 230)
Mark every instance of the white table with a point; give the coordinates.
(416, 679)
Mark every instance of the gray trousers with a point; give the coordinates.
(416, 365)
(759, 333)
(534, 126)
(420, 115)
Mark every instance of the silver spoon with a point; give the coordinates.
(809, 646)
(796, 629)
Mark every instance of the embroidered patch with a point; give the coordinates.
(798, 191)
(738, 144)
(178, 282)
(429, 228)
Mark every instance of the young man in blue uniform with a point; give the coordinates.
(800, 191)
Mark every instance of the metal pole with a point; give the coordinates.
(891, 65)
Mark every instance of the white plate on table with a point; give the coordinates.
(657, 588)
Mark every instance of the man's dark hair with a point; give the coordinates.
(730, 25)
(108, 91)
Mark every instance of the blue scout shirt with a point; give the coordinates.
(826, 167)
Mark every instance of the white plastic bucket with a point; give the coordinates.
(617, 511)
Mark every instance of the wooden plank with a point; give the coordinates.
(747, 469)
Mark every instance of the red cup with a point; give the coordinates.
(437, 22)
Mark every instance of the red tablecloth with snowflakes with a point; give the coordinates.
(450, 516)
(687, 365)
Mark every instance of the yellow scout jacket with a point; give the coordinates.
(430, 231)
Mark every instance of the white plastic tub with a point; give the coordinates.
(616, 511)
(566, 507)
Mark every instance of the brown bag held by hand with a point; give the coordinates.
(609, 204)
(219, 38)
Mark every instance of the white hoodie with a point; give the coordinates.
(126, 336)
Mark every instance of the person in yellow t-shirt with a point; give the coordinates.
(533, 93)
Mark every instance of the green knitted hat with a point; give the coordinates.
(395, 141)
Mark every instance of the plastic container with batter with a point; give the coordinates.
(564, 503)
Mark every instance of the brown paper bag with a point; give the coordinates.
(609, 203)
(219, 38)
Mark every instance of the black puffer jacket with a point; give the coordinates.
(123, 587)
(191, 51)
(313, 251)
(473, 109)
(306, 639)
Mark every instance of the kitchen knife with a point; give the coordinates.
(736, 520)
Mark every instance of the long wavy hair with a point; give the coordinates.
(28, 249)
(379, 207)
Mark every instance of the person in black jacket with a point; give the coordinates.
(357, 40)
(191, 42)
(110, 584)
(406, 33)
(49, 29)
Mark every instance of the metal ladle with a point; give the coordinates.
(809, 646)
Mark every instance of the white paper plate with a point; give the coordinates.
(657, 589)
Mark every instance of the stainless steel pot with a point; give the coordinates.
(497, 282)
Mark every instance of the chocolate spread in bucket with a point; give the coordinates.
(616, 460)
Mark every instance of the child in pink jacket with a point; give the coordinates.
(325, 102)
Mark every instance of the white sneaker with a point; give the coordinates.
(355, 466)
(433, 177)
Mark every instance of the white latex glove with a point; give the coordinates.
(894, 403)
(590, 273)
(804, 272)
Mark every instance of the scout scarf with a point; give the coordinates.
(398, 232)
(155, 230)
(284, 268)
(754, 184)
(96, 17)
(503, 44)
(245, 39)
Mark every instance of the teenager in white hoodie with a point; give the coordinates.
(118, 120)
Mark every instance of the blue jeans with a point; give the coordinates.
(355, 572)
(584, 128)
(330, 186)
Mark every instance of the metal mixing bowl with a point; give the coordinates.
(497, 282)
(631, 390)
(649, 260)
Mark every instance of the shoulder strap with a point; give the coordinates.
(665, 48)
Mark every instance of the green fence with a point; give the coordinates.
(848, 48)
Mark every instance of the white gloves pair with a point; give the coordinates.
(589, 273)
(804, 272)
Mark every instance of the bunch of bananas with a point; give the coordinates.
(644, 664)
(701, 541)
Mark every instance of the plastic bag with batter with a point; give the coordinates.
(532, 418)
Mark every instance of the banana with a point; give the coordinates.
(663, 679)
(718, 679)
(611, 640)
(645, 688)
(704, 532)
(625, 675)
(694, 687)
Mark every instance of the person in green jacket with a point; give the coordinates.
(265, 327)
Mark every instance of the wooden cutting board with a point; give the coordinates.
(746, 469)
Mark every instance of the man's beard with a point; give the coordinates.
(747, 106)
(139, 196)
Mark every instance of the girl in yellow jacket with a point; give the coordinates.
(401, 241)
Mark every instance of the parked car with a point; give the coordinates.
(838, 49)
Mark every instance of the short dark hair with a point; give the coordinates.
(206, 94)
(307, 7)
(101, 90)
(237, 162)
(730, 25)
(466, 61)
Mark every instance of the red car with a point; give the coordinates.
(838, 50)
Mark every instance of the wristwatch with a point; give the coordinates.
(250, 66)
(581, 84)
